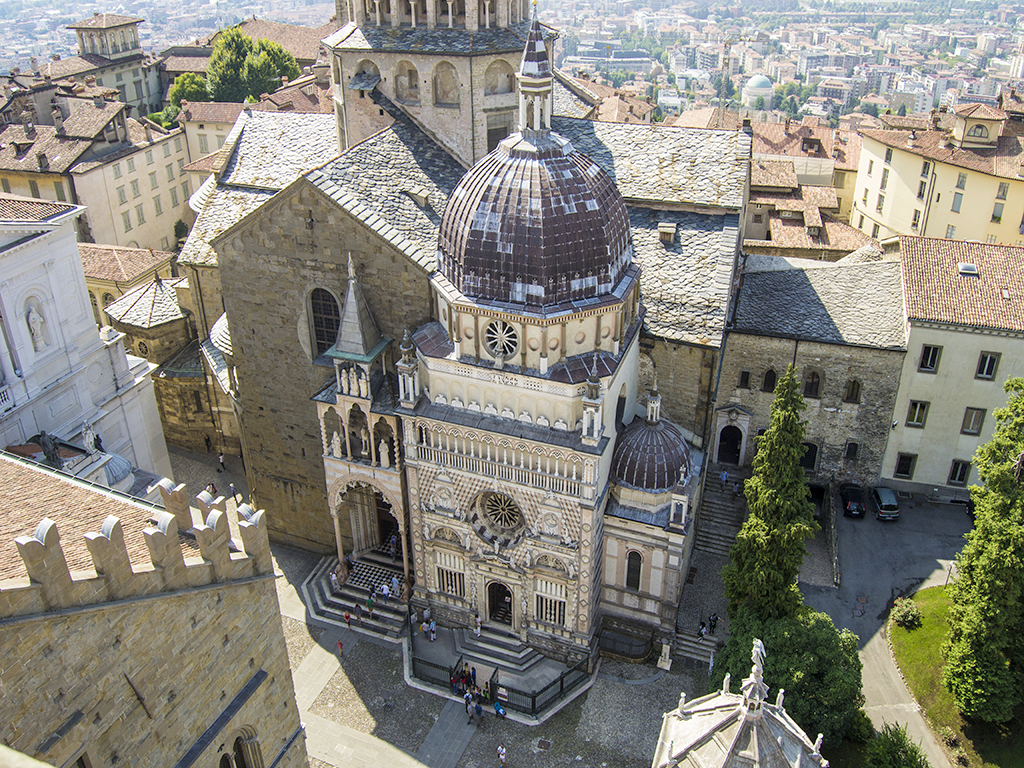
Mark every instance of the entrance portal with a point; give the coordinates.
(499, 601)
(371, 519)
(729, 442)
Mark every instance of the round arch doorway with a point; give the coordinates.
(499, 603)
(729, 442)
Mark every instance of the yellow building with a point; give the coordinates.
(960, 184)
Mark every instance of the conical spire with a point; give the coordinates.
(653, 403)
(535, 81)
(358, 334)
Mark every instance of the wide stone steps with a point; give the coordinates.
(713, 543)
(389, 621)
(690, 646)
(495, 648)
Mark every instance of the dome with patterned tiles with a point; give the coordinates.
(651, 454)
(535, 222)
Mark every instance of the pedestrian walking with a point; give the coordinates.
(736, 491)
(472, 673)
(724, 477)
(426, 630)
(478, 626)
(702, 631)
(479, 713)
(469, 711)
(359, 614)
(713, 621)
(501, 755)
(369, 606)
(348, 619)
(209, 443)
(385, 592)
(234, 493)
(220, 460)
(433, 630)
(455, 684)
(393, 546)
(395, 587)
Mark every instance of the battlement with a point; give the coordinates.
(51, 585)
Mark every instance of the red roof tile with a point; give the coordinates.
(111, 262)
(14, 208)
(210, 111)
(1003, 160)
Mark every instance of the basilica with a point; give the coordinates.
(486, 333)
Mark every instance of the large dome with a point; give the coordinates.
(537, 223)
(759, 81)
(650, 456)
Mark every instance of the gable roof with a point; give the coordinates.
(15, 208)
(115, 263)
(936, 291)
(1003, 160)
(301, 42)
(773, 173)
(210, 111)
(61, 152)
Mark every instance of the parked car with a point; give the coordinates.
(884, 502)
(854, 502)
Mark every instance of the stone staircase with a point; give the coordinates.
(496, 648)
(370, 571)
(721, 513)
(690, 646)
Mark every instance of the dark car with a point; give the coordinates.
(854, 503)
(883, 501)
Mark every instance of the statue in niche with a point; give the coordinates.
(35, 328)
(336, 444)
(88, 438)
(385, 458)
(364, 441)
(571, 570)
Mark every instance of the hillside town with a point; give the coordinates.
(369, 366)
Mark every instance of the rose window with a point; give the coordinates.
(497, 519)
(501, 339)
(502, 511)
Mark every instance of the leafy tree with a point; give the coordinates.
(892, 748)
(224, 73)
(816, 664)
(188, 86)
(984, 667)
(769, 549)
(759, 102)
(282, 62)
(870, 109)
(902, 111)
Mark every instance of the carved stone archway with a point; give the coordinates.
(355, 480)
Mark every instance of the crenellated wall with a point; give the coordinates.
(51, 585)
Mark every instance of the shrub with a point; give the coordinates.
(892, 748)
(861, 729)
(949, 737)
(906, 613)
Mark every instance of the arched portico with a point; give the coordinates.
(367, 503)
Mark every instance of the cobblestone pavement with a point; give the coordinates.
(706, 595)
(197, 470)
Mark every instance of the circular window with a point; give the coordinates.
(143, 348)
(502, 511)
(501, 339)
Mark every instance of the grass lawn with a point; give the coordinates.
(918, 656)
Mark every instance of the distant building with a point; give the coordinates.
(758, 87)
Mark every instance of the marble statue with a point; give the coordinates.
(35, 328)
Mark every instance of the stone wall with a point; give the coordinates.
(269, 266)
(133, 665)
(832, 423)
(161, 342)
(685, 380)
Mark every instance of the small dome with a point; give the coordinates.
(117, 469)
(220, 335)
(650, 456)
(535, 222)
(759, 81)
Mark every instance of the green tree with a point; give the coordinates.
(892, 748)
(769, 549)
(224, 73)
(870, 109)
(902, 111)
(817, 665)
(984, 667)
(188, 86)
(759, 102)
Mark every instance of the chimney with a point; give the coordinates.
(43, 160)
(90, 79)
(97, 101)
(58, 120)
(935, 120)
(284, 81)
(786, 128)
(56, 57)
(30, 129)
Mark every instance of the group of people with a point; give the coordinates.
(703, 630)
(464, 683)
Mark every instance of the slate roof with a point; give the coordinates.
(148, 305)
(453, 42)
(111, 262)
(105, 21)
(29, 493)
(936, 291)
(187, 364)
(1003, 160)
(685, 283)
(223, 208)
(566, 102)
(665, 164)
(15, 208)
(371, 180)
(857, 304)
(274, 148)
(61, 151)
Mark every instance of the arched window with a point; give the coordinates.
(446, 85)
(812, 384)
(240, 757)
(225, 761)
(407, 83)
(325, 318)
(108, 298)
(634, 564)
(852, 392)
(769, 381)
(978, 131)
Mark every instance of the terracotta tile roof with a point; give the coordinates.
(205, 164)
(301, 42)
(936, 291)
(20, 151)
(1003, 160)
(303, 95)
(979, 112)
(186, 63)
(111, 262)
(87, 121)
(14, 208)
(29, 493)
(803, 198)
(72, 65)
(105, 21)
(777, 139)
(707, 117)
(209, 111)
(623, 109)
(919, 121)
(773, 173)
(834, 236)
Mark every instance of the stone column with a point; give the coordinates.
(335, 511)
